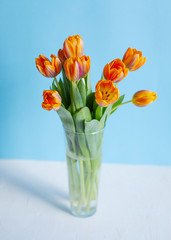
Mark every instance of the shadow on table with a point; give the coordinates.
(37, 187)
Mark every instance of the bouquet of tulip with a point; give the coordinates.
(84, 113)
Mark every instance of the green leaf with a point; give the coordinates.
(64, 93)
(88, 83)
(94, 141)
(93, 126)
(80, 117)
(106, 115)
(120, 100)
(76, 99)
(53, 86)
(95, 105)
(70, 109)
(90, 100)
(66, 119)
(82, 89)
(66, 82)
(68, 124)
(98, 113)
(57, 87)
(63, 90)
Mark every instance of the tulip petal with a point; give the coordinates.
(106, 93)
(73, 47)
(52, 100)
(127, 54)
(115, 71)
(43, 58)
(69, 50)
(50, 71)
(133, 59)
(41, 70)
(47, 68)
(61, 56)
(143, 98)
(139, 64)
(80, 47)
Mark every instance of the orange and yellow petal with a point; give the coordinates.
(47, 68)
(73, 69)
(61, 56)
(143, 98)
(106, 93)
(73, 47)
(52, 100)
(115, 71)
(133, 59)
(56, 63)
(86, 62)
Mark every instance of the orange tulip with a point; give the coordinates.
(73, 69)
(106, 93)
(47, 68)
(73, 46)
(85, 65)
(61, 56)
(52, 100)
(133, 59)
(143, 98)
(115, 71)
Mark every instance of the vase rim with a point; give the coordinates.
(83, 133)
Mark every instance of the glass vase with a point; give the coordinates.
(84, 156)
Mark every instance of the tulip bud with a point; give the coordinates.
(106, 93)
(52, 100)
(85, 65)
(143, 98)
(47, 68)
(73, 46)
(133, 59)
(73, 69)
(61, 56)
(115, 71)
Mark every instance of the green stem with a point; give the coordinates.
(71, 184)
(75, 178)
(88, 177)
(82, 187)
(72, 100)
(121, 105)
(91, 191)
(93, 184)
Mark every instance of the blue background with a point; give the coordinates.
(29, 28)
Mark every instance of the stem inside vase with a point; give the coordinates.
(84, 156)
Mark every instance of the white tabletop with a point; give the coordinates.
(134, 203)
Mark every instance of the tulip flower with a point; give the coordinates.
(61, 56)
(47, 68)
(106, 93)
(73, 46)
(52, 100)
(115, 71)
(143, 98)
(133, 59)
(85, 65)
(73, 69)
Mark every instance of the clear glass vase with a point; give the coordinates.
(84, 156)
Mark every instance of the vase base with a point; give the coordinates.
(83, 213)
